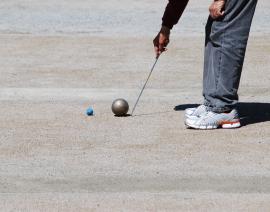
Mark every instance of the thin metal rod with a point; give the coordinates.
(144, 85)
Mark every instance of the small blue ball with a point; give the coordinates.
(90, 111)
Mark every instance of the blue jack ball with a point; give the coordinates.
(90, 111)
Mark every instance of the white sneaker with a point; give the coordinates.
(211, 120)
(195, 112)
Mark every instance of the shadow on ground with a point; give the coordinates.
(250, 112)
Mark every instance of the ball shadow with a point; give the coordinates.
(153, 113)
(122, 116)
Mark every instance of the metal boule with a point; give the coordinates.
(120, 107)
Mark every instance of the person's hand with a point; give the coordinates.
(161, 40)
(216, 9)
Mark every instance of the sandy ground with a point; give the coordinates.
(55, 158)
(115, 17)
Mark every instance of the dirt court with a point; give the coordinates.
(55, 158)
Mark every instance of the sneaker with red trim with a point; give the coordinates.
(196, 111)
(211, 120)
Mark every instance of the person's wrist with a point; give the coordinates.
(165, 30)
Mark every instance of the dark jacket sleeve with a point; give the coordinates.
(173, 12)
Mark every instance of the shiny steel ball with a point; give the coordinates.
(120, 107)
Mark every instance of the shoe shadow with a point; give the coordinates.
(185, 106)
(253, 112)
(250, 112)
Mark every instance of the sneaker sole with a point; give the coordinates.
(225, 125)
(231, 125)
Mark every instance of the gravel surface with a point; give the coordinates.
(56, 62)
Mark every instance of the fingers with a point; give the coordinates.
(160, 43)
(216, 14)
(162, 40)
(156, 51)
(217, 9)
(156, 45)
(161, 47)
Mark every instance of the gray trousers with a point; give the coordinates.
(225, 47)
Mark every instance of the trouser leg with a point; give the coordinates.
(225, 47)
